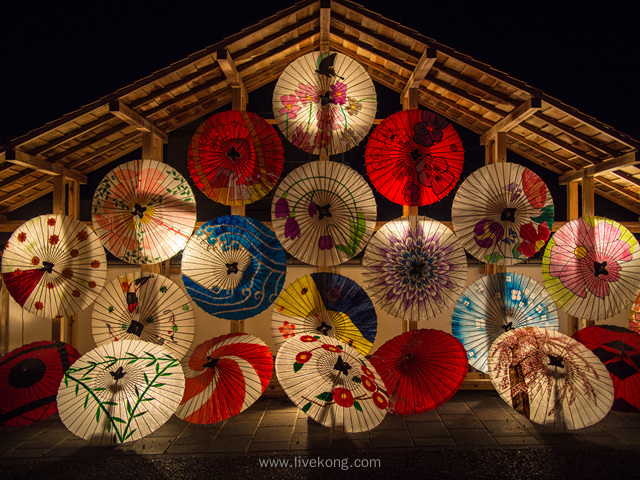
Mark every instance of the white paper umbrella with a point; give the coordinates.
(54, 265)
(550, 378)
(324, 102)
(497, 303)
(120, 392)
(502, 213)
(591, 268)
(147, 307)
(144, 211)
(331, 382)
(224, 376)
(324, 213)
(414, 268)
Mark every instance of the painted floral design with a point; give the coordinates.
(587, 259)
(302, 139)
(282, 208)
(287, 329)
(290, 106)
(429, 130)
(354, 106)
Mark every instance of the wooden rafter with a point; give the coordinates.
(128, 115)
(39, 164)
(625, 160)
(239, 93)
(512, 119)
(426, 61)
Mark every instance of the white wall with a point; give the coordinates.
(36, 329)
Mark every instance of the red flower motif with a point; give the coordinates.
(308, 338)
(303, 357)
(67, 273)
(331, 348)
(51, 222)
(35, 261)
(91, 284)
(379, 400)
(54, 239)
(343, 397)
(75, 252)
(22, 236)
(95, 264)
(367, 372)
(76, 293)
(533, 241)
(50, 285)
(82, 236)
(287, 329)
(39, 305)
(369, 384)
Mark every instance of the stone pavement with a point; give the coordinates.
(273, 428)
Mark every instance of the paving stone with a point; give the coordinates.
(172, 428)
(517, 440)
(430, 416)
(557, 438)
(233, 443)
(391, 438)
(273, 434)
(188, 448)
(193, 436)
(492, 413)
(268, 446)
(629, 436)
(275, 419)
(392, 422)
(501, 428)
(427, 429)
(461, 421)
(349, 444)
(453, 408)
(599, 440)
(26, 453)
(151, 445)
(434, 442)
(311, 440)
(247, 427)
(472, 437)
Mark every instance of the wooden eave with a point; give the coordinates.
(466, 91)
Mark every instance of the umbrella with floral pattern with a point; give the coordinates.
(29, 379)
(634, 315)
(591, 268)
(495, 304)
(144, 211)
(421, 370)
(503, 213)
(147, 307)
(331, 382)
(414, 268)
(235, 157)
(324, 102)
(550, 378)
(54, 266)
(414, 157)
(120, 392)
(328, 304)
(324, 213)
(619, 349)
(233, 267)
(223, 377)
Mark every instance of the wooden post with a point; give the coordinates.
(59, 208)
(495, 151)
(4, 319)
(573, 212)
(152, 147)
(588, 210)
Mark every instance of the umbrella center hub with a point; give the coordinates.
(508, 215)
(326, 99)
(26, 373)
(47, 267)
(232, 267)
(324, 328)
(600, 268)
(416, 155)
(324, 211)
(233, 154)
(138, 210)
(418, 268)
(555, 361)
(342, 366)
(211, 362)
(507, 326)
(135, 328)
(118, 374)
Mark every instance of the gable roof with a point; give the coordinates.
(466, 91)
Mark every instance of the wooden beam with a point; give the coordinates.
(624, 160)
(128, 115)
(423, 66)
(152, 147)
(234, 80)
(325, 22)
(588, 197)
(35, 162)
(513, 118)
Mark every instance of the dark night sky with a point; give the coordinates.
(59, 56)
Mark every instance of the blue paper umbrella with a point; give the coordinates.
(233, 267)
(495, 304)
(326, 304)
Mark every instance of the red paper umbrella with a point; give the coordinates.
(421, 370)
(224, 376)
(619, 349)
(29, 381)
(414, 157)
(235, 157)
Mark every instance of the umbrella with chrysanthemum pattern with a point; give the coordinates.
(332, 383)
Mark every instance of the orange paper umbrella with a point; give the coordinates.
(224, 376)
